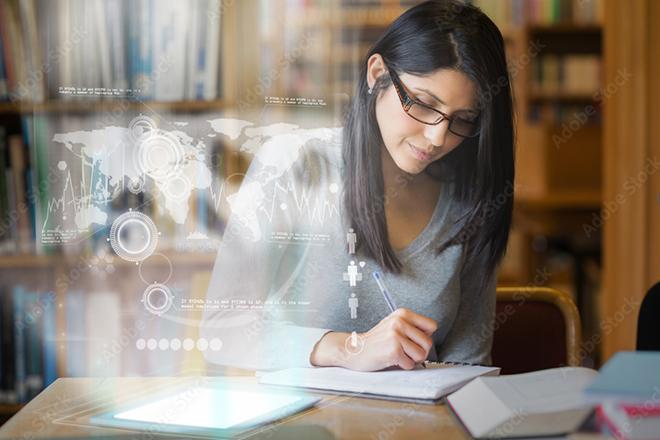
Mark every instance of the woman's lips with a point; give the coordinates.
(419, 154)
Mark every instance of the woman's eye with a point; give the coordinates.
(424, 101)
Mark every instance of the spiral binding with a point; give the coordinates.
(453, 363)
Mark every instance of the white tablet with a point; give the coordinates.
(220, 411)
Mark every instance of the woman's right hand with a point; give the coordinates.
(401, 339)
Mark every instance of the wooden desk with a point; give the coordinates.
(343, 417)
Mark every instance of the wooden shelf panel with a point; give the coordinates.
(562, 96)
(561, 200)
(44, 261)
(99, 105)
(564, 28)
(349, 18)
(9, 409)
(25, 261)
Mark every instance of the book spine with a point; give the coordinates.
(144, 68)
(213, 51)
(4, 199)
(18, 164)
(4, 90)
(7, 48)
(33, 312)
(49, 338)
(3, 355)
(75, 330)
(116, 18)
(35, 78)
(36, 134)
(19, 344)
(8, 378)
(104, 48)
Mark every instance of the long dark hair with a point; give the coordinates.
(439, 34)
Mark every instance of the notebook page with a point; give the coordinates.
(420, 383)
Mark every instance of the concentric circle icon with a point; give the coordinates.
(177, 187)
(157, 299)
(136, 185)
(160, 155)
(150, 270)
(133, 236)
(354, 344)
(140, 127)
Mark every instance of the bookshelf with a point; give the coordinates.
(330, 40)
(210, 91)
(555, 51)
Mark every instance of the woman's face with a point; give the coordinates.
(412, 144)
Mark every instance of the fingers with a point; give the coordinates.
(424, 323)
(406, 353)
(413, 351)
(400, 358)
(413, 333)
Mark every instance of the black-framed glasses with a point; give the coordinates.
(428, 115)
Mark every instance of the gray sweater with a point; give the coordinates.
(282, 276)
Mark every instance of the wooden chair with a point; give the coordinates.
(535, 328)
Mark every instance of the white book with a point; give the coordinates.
(88, 57)
(212, 56)
(424, 385)
(195, 32)
(103, 47)
(169, 49)
(117, 29)
(64, 33)
(103, 319)
(546, 402)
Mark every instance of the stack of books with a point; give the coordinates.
(628, 389)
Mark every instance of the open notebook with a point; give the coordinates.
(423, 385)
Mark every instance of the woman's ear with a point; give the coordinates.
(375, 68)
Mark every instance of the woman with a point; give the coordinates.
(423, 176)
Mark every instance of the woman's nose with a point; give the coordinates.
(436, 134)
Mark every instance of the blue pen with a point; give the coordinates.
(388, 298)
(383, 290)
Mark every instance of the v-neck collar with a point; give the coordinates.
(439, 213)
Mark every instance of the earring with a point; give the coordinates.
(369, 91)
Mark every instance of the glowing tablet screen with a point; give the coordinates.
(205, 407)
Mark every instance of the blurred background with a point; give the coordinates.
(78, 76)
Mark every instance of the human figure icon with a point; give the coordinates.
(353, 305)
(351, 238)
(352, 275)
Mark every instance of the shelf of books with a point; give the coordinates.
(556, 70)
(91, 74)
(82, 83)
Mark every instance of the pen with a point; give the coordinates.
(383, 290)
(388, 298)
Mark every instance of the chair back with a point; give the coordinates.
(535, 328)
